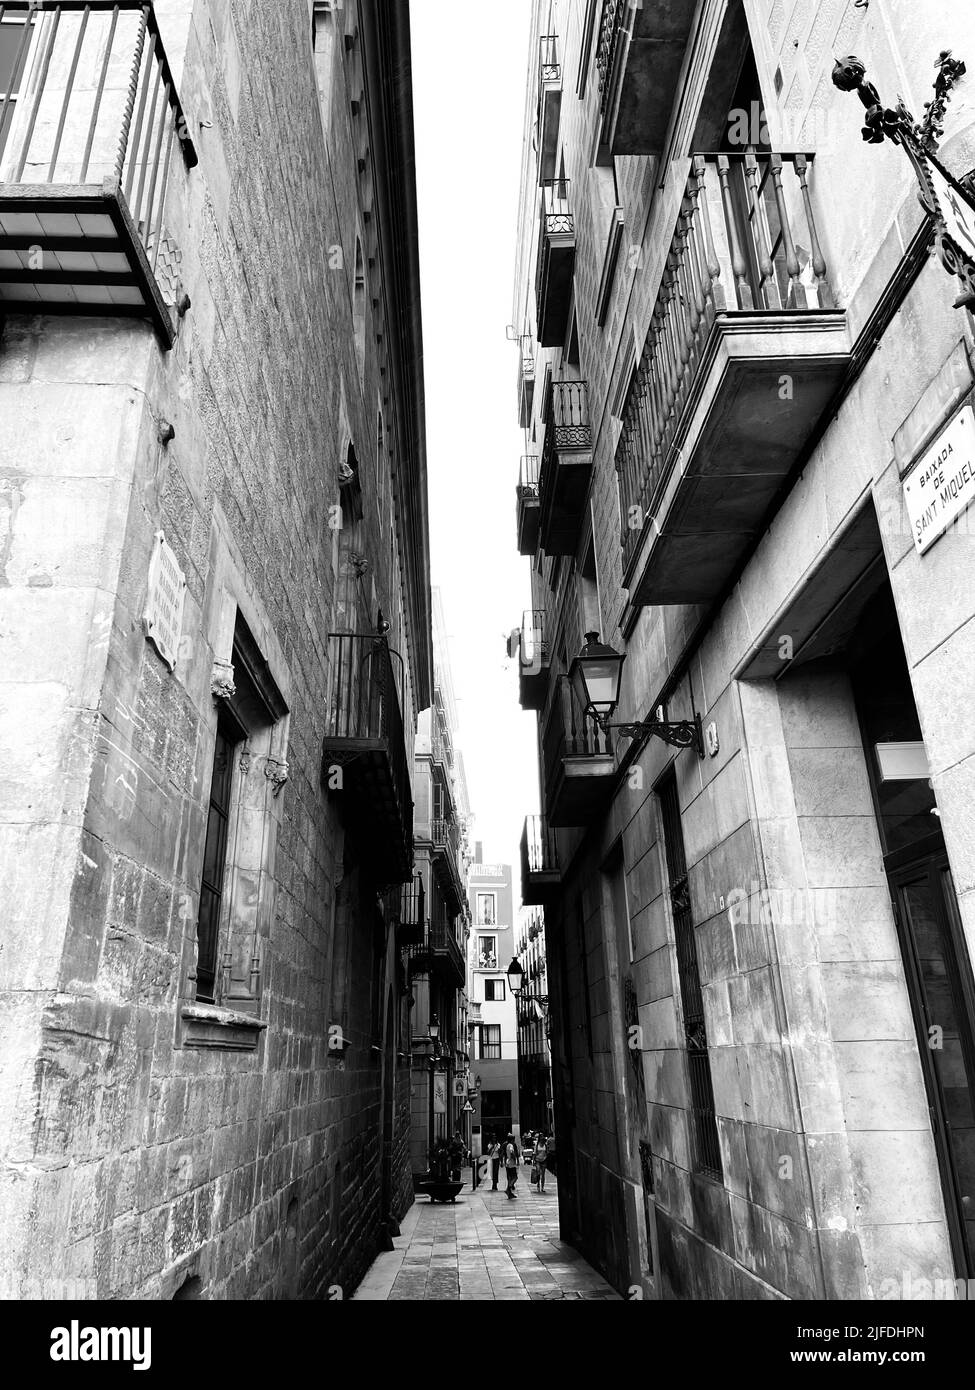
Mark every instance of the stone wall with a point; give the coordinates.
(818, 1091)
(131, 1161)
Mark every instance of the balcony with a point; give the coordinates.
(743, 355)
(526, 380)
(527, 492)
(533, 660)
(440, 951)
(365, 763)
(639, 59)
(578, 762)
(407, 911)
(540, 871)
(445, 835)
(556, 262)
(549, 105)
(566, 467)
(441, 749)
(89, 144)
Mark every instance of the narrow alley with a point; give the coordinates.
(484, 1247)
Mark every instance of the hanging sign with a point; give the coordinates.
(459, 1089)
(942, 483)
(439, 1095)
(162, 619)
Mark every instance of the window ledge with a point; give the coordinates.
(208, 1026)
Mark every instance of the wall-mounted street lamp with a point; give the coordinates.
(950, 202)
(596, 674)
(540, 1001)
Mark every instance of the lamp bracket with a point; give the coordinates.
(678, 733)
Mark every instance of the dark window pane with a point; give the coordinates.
(11, 59)
(214, 864)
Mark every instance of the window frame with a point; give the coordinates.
(493, 936)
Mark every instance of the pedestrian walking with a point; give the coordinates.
(540, 1162)
(511, 1159)
(494, 1153)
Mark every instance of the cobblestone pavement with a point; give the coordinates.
(484, 1246)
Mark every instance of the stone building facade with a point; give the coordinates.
(441, 915)
(215, 566)
(494, 1015)
(742, 375)
(534, 1053)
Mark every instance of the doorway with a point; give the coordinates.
(936, 960)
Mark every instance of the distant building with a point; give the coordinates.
(494, 1017)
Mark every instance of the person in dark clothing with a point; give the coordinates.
(511, 1160)
(494, 1152)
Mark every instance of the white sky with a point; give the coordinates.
(469, 66)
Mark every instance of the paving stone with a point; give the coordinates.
(481, 1251)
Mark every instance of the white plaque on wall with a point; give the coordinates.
(942, 483)
(163, 616)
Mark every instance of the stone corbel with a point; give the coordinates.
(277, 773)
(222, 681)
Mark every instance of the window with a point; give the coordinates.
(14, 43)
(489, 1042)
(494, 991)
(487, 952)
(487, 909)
(707, 1151)
(246, 775)
(229, 740)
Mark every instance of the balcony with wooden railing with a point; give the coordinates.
(91, 134)
(549, 105)
(540, 870)
(527, 495)
(579, 763)
(365, 762)
(566, 466)
(533, 660)
(556, 262)
(639, 60)
(743, 355)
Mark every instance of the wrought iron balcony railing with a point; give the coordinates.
(88, 141)
(736, 247)
(407, 909)
(611, 29)
(557, 216)
(556, 261)
(534, 640)
(364, 737)
(526, 380)
(533, 659)
(440, 746)
(567, 424)
(441, 949)
(539, 856)
(446, 836)
(548, 58)
(578, 760)
(528, 477)
(527, 505)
